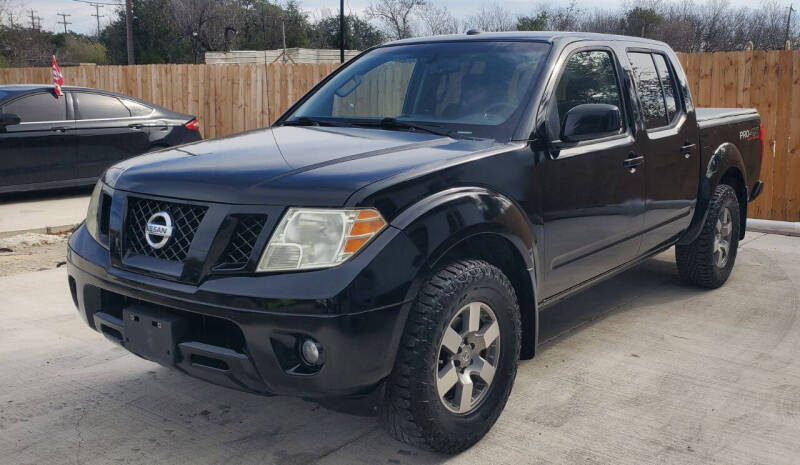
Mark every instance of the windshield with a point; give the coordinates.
(469, 89)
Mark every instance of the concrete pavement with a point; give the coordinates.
(639, 370)
(45, 212)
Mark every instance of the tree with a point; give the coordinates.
(437, 20)
(492, 18)
(532, 23)
(191, 27)
(641, 21)
(156, 37)
(205, 23)
(359, 34)
(395, 15)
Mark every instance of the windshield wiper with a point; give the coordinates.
(394, 123)
(307, 121)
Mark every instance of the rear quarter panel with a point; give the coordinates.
(731, 142)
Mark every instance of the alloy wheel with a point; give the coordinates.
(468, 357)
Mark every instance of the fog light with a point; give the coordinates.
(311, 351)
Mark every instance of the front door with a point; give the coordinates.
(669, 145)
(593, 190)
(42, 148)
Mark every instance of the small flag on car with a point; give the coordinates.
(58, 78)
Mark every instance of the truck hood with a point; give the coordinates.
(287, 165)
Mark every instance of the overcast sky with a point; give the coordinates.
(82, 21)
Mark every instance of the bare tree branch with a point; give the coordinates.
(437, 20)
(395, 15)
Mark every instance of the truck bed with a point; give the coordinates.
(716, 116)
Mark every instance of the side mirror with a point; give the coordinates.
(8, 119)
(591, 121)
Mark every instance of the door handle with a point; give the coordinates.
(135, 126)
(686, 149)
(61, 129)
(633, 162)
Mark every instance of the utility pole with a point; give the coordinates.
(788, 24)
(341, 31)
(11, 20)
(283, 32)
(63, 20)
(128, 22)
(97, 6)
(33, 19)
(129, 29)
(97, 15)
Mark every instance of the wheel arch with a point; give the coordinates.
(480, 224)
(725, 166)
(733, 177)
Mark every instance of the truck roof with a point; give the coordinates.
(542, 36)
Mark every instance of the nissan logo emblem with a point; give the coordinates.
(158, 230)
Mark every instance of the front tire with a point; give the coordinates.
(457, 359)
(709, 259)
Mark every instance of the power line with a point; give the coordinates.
(64, 20)
(97, 6)
(33, 19)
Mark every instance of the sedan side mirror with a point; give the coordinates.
(591, 121)
(9, 119)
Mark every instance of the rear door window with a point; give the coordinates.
(667, 85)
(648, 87)
(96, 106)
(38, 108)
(136, 108)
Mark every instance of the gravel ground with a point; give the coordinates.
(32, 252)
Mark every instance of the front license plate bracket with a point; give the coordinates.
(153, 334)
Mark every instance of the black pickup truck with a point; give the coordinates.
(397, 231)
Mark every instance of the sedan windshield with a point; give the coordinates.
(462, 89)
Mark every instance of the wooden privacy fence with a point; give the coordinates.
(770, 82)
(237, 97)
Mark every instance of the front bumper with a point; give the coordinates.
(241, 338)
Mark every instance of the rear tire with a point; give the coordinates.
(437, 397)
(709, 259)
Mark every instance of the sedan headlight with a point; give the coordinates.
(319, 238)
(92, 215)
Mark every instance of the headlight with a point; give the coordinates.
(92, 223)
(97, 216)
(319, 238)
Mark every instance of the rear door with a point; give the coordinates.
(592, 195)
(668, 143)
(107, 131)
(42, 148)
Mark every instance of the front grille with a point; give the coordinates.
(240, 248)
(185, 221)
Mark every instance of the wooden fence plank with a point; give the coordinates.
(793, 158)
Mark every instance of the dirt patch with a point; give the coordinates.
(32, 252)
